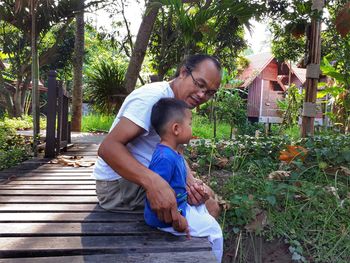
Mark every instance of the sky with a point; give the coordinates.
(258, 40)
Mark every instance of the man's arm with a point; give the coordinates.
(114, 152)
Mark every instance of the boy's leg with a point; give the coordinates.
(201, 224)
(212, 204)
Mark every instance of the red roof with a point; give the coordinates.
(257, 64)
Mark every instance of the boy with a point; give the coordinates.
(171, 119)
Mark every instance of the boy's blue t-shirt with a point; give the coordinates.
(171, 166)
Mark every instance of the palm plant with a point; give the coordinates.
(106, 89)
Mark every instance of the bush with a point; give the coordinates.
(13, 148)
(105, 80)
(23, 123)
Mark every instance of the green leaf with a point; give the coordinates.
(271, 199)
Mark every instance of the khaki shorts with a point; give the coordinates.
(120, 195)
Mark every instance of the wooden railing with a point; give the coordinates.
(57, 127)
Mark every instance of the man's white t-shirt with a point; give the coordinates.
(137, 108)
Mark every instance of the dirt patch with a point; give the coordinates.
(253, 249)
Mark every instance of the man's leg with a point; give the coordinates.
(120, 195)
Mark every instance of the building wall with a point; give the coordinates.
(254, 91)
(270, 72)
(269, 100)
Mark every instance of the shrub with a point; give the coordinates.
(105, 80)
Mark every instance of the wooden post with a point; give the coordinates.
(59, 116)
(51, 115)
(312, 70)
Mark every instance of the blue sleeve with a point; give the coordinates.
(163, 167)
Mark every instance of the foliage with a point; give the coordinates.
(13, 148)
(231, 108)
(22, 123)
(97, 123)
(290, 22)
(106, 80)
(212, 27)
(339, 91)
(304, 203)
(291, 107)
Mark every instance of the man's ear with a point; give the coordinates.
(176, 128)
(183, 72)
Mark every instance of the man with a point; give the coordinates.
(121, 173)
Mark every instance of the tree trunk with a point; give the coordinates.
(35, 84)
(77, 99)
(140, 47)
(9, 105)
(18, 110)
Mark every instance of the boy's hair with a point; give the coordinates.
(166, 110)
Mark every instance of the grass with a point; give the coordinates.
(203, 128)
(97, 123)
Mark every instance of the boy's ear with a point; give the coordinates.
(176, 128)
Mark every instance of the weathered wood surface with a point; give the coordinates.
(49, 213)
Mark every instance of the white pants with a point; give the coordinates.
(202, 224)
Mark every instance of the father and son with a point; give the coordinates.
(140, 165)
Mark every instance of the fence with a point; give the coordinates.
(57, 127)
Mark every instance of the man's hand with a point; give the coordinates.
(181, 225)
(162, 200)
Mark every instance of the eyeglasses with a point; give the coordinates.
(202, 87)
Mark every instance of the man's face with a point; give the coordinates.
(200, 84)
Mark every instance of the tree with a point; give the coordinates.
(50, 14)
(77, 98)
(140, 46)
(214, 28)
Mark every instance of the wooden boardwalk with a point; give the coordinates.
(49, 213)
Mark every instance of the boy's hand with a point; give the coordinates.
(197, 192)
(181, 225)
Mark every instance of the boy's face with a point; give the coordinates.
(185, 134)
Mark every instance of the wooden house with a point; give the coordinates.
(266, 81)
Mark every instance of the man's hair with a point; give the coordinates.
(190, 62)
(166, 110)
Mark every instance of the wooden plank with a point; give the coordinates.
(18, 182)
(77, 217)
(46, 172)
(47, 187)
(49, 199)
(43, 192)
(50, 207)
(164, 257)
(54, 178)
(58, 246)
(47, 168)
(75, 229)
